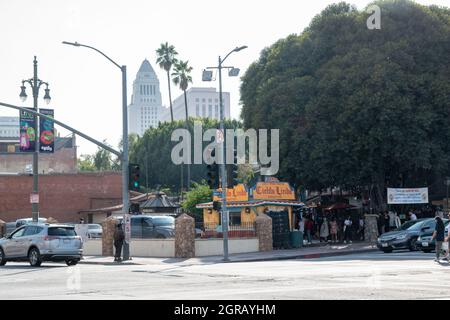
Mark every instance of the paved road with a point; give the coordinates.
(402, 275)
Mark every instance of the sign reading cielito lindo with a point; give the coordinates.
(407, 195)
(238, 193)
(275, 191)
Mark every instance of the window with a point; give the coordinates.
(203, 100)
(18, 233)
(140, 89)
(197, 110)
(203, 110)
(235, 218)
(217, 111)
(31, 230)
(209, 100)
(197, 100)
(210, 111)
(61, 232)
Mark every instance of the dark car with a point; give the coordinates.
(404, 237)
(151, 227)
(424, 241)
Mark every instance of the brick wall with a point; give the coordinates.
(62, 196)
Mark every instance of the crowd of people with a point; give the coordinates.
(333, 228)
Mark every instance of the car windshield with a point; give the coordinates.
(418, 226)
(407, 225)
(94, 226)
(163, 221)
(61, 231)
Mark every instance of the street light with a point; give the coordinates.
(223, 171)
(124, 158)
(35, 84)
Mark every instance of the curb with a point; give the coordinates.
(128, 263)
(309, 256)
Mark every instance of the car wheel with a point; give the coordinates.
(412, 246)
(160, 236)
(34, 257)
(427, 251)
(2, 257)
(71, 262)
(387, 250)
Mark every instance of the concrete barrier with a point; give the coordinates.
(92, 247)
(161, 248)
(214, 247)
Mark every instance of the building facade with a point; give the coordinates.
(145, 110)
(202, 103)
(62, 160)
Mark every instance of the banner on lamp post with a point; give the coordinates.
(28, 134)
(46, 132)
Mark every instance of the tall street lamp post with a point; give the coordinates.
(207, 76)
(35, 84)
(124, 158)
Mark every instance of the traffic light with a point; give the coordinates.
(133, 174)
(213, 173)
(232, 172)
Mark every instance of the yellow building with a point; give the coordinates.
(245, 204)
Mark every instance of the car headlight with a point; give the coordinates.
(401, 237)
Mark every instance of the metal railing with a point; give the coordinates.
(209, 230)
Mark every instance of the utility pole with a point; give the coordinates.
(35, 84)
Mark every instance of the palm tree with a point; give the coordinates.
(182, 78)
(166, 58)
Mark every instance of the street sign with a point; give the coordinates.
(127, 227)
(34, 198)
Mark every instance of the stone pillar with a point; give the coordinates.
(263, 225)
(370, 228)
(108, 236)
(184, 236)
(2, 229)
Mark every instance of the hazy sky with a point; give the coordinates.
(86, 88)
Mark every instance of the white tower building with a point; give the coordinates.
(145, 109)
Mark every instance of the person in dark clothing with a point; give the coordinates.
(386, 221)
(439, 234)
(119, 237)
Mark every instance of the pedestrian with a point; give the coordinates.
(398, 222)
(361, 228)
(309, 225)
(439, 234)
(119, 237)
(412, 216)
(81, 221)
(348, 230)
(386, 222)
(324, 230)
(392, 221)
(333, 230)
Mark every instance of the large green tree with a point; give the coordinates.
(153, 153)
(358, 107)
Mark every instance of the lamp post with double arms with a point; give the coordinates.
(124, 158)
(223, 171)
(35, 84)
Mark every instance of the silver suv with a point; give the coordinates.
(40, 242)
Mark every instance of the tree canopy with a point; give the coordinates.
(355, 106)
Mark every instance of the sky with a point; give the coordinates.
(86, 88)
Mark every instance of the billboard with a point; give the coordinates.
(407, 195)
(46, 132)
(273, 190)
(28, 134)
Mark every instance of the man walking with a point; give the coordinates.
(439, 234)
(119, 237)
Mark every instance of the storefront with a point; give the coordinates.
(245, 204)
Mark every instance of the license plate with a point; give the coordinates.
(66, 241)
(384, 245)
(424, 244)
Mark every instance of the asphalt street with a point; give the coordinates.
(401, 275)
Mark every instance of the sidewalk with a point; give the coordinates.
(309, 252)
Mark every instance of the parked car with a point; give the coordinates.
(404, 237)
(95, 231)
(42, 242)
(21, 222)
(424, 241)
(148, 227)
